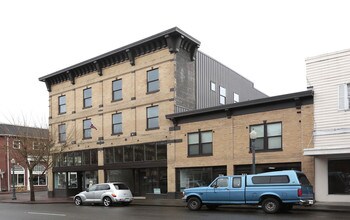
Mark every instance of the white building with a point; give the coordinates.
(329, 77)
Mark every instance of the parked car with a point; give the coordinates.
(105, 193)
(274, 191)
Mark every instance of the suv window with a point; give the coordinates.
(103, 187)
(120, 186)
(303, 179)
(93, 188)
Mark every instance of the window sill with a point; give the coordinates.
(87, 107)
(267, 150)
(151, 92)
(62, 113)
(119, 133)
(87, 138)
(200, 155)
(117, 100)
(150, 129)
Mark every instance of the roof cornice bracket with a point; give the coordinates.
(298, 103)
(174, 42)
(193, 52)
(228, 113)
(48, 85)
(71, 77)
(131, 56)
(98, 68)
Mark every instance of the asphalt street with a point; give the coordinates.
(70, 211)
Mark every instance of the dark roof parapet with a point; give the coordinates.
(173, 38)
(295, 97)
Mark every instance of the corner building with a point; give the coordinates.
(108, 113)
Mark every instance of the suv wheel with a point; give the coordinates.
(78, 201)
(107, 201)
(194, 204)
(271, 205)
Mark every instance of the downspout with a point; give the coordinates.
(8, 163)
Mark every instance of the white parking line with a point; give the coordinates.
(43, 213)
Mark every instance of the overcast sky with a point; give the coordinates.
(265, 41)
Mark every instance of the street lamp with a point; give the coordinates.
(253, 136)
(13, 162)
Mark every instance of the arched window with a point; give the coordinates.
(18, 176)
(39, 175)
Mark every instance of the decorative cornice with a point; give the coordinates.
(174, 38)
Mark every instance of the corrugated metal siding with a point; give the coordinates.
(209, 70)
(325, 74)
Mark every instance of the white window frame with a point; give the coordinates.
(344, 97)
(16, 143)
(222, 91)
(17, 173)
(39, 170)
(235, 97)
(212, 86)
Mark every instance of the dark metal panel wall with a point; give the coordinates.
(209, 70)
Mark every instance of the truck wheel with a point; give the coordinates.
(271, 205)
(194, 204)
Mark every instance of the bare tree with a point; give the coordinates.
(34, 146)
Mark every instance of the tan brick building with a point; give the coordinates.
(213, 141)
(108, 114)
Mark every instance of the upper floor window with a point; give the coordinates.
(87, 129)
(117, 126)
(222, 95)
(235, 98)
(117, 90)
(152, 117)
(87, 98)
(269, 136)
(200, 143)
(153, 80)
(212, 86)
(36, 145)
(344, 96)
(62, 133)
(16, 144)
(62, 104)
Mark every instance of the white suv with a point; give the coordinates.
(106, 193)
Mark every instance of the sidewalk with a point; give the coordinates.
(42, 198)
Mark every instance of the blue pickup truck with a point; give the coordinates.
(274, 191)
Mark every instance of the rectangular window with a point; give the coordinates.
(269, 137)
(62, 104)
(117, 90)
(60, 180)
(36, 145)
(270, 179)
(152, 117)
(339, 177)
(139, 152)
(16, 144)
(222, 95)
(87, 98)
(87, 129)
(200, 143)
(117, 126)
(344, 96)
(62, 133)
(153, 80)
(150, 151)
(128, 154)
(161, 151)
(235, 98)
(212, 86)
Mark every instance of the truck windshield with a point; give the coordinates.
(303, 179)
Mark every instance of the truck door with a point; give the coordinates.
(219, 190)
(237, 191)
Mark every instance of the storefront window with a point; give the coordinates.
(139, 152)
(150, 151)
(39, 175)
(339, 176)
(161, 151)
(128, 153)
(126, 176)
(196, 177)
(72, 180)
(60, 180)
(90, 178)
